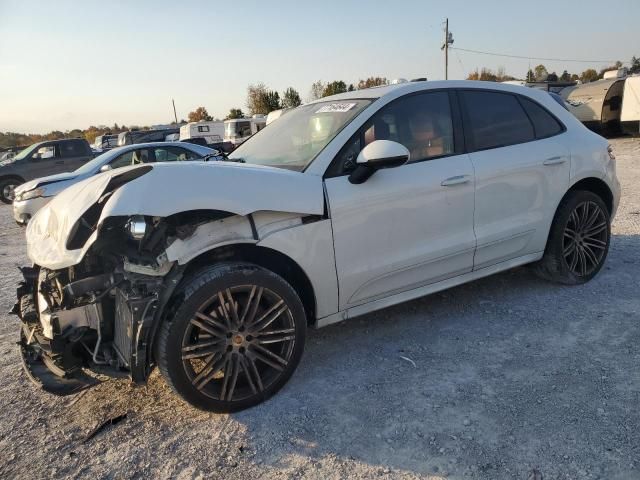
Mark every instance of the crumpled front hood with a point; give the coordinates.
(48, 230)
(30, 185)
(166, 189)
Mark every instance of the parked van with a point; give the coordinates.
(145, 136)
(212, 132)
(237, 130)
(105, 142)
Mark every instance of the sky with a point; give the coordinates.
(69, 64)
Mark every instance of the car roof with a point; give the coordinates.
(408, 87)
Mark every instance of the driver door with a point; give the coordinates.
(46, 161)
(409, 226)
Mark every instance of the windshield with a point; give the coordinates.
(296, 138)
(26, 152)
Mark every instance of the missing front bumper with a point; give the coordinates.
(33, 348)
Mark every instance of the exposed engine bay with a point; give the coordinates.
(107, 266)
(103, 313)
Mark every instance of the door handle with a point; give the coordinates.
(457, 180)
(554, 161)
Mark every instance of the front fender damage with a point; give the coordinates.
(103, 313)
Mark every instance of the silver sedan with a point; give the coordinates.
(32, 196)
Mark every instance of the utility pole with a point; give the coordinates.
(175, 115)
(448, 40)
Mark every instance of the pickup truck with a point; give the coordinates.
(40, 160)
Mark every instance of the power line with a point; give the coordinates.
(532, 58)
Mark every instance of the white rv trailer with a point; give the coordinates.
(237, 130)
(212, 132)
(630, 114)
(597, 104)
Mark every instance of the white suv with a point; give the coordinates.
(213, 271)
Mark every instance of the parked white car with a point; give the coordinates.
(343, 206)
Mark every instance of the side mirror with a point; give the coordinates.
(377, 155)
(106, 168)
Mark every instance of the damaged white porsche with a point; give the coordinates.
(213, 271)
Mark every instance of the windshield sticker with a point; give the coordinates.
(336, 107)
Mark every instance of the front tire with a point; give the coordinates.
(7, 188)
(578, 241)
(235, 339)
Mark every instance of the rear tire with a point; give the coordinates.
(578, 241)
(236, 338)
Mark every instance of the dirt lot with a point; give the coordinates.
(498, 377)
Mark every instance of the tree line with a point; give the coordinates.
(262, 100)
(540, 73)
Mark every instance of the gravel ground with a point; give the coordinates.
(486, 380)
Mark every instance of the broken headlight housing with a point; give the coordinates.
(136, 227)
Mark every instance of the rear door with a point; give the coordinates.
(74, 153)
(522, 171)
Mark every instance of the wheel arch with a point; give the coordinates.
(594, 185)
(267, 258)
(12, 176)
(589, 184)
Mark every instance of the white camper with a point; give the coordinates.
(237, 130)
(596, 104)
(276, 114)
(630, 114)
(212, 132)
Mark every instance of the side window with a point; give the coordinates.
(174, 154)
(203, 128)
(497, 120)
(422, 123)
(133, 157)
(48, 151)
(243, 129)
(71, 149)
(544, 124)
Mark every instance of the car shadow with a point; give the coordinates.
(453, 382)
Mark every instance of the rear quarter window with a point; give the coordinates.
(544, 124)
(496, 120)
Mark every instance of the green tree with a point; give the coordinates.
(541, 73)
(635, 65)
(589, 75)
(552, 77)
(351, 88)
(316, 90)
(235, 113)
(565, 77)
(531, 77)
(333, 88)
(290, 98)
(575, 77)
(485, 75)
(372, 82)
(261, 100)
(200, 114)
